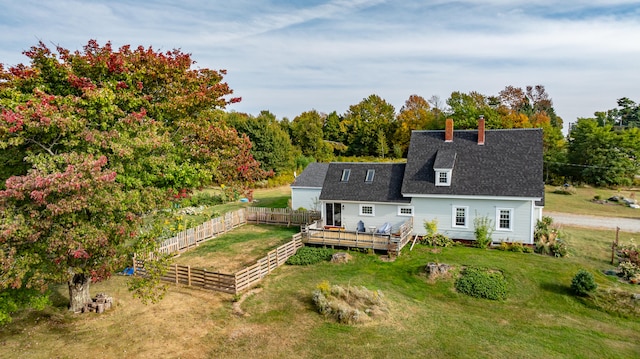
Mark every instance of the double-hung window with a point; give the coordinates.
(460, 217)
(504, 219)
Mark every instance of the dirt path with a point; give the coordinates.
(625, 224)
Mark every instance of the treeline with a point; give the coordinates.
(373, 130)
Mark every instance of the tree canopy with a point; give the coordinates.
(94, 140)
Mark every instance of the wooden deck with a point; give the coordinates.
(392, 243)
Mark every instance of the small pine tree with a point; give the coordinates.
(583, 283)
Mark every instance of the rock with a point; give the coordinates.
(437, 269)
(340, 257)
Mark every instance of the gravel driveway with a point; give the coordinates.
(625, 224)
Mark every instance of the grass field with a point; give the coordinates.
(539, 319)
(581, 202)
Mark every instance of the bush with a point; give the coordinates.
(566, 190)
(483, 231)
(514, 247)
(482, 283)
(205, 199)
(583, 283)
(13, 300)
(628, 270)
(433, 238)
(310, 255)
(437, 240)
(546, 238)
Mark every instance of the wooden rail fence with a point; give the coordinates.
(286, 216)
(211, 229)
(222, 282)
(192, 237)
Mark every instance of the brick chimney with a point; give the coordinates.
(448, 131)
(481, 130)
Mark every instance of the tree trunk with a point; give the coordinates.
(78, 292)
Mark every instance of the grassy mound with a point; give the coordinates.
(350, 305)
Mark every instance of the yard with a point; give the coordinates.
(237, 249)
(539, 319)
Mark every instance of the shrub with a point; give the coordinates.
(583, 283)
(628, 270)
(205, 199)
(483, 231)
(433, 238)
(431, 226)
(513, 247)
(310, 255)
(13, 300)
(566, 190)
(546, 239)
(437, 240)
(482, 283)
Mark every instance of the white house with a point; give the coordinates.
(306, 188)
(451, 177)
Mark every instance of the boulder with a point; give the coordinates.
(340, 257)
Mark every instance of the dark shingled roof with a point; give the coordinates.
(312, 176)
(445, 159)
(384, 188)
(508, 164)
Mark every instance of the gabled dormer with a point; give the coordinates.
(443, 167)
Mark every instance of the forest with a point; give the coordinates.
(600, 151)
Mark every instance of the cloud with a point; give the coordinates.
(291, 56)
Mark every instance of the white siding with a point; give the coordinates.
(442, 210)
(306, 198)
(383, 213)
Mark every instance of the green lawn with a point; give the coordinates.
(540, 318)
(235, 250)
(581, 202)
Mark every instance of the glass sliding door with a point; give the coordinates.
(333, 212)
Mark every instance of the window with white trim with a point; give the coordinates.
(460, 217)
(443, 178)
(367, 210)
(504, 219)
(405, 211)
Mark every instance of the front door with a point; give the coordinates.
(333, 212)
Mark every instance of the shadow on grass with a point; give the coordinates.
(556, 288)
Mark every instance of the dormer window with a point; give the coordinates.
(345, 175)
(443, 177)
(370, 174)
(443, 167)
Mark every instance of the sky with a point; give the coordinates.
(290, 56)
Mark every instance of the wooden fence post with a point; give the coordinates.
(189, 275)
(614, 245)
(176, 270)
